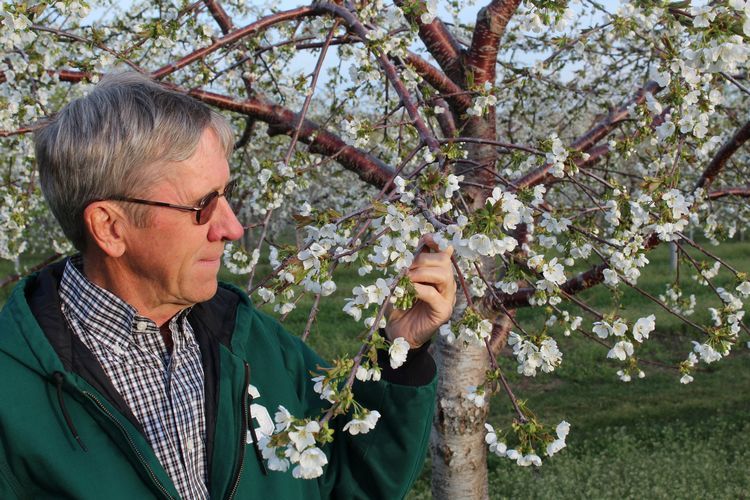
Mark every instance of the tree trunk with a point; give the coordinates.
(457, 447)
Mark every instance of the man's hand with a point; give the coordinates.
(432, 275)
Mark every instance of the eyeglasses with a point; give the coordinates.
(203, 210)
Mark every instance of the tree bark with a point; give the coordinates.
(457, 448)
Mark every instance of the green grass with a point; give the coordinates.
(650, 438)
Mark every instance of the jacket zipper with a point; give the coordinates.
(243, 434)
(130, 441)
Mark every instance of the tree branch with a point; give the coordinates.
(722, 156)
(15, 277)
(281, 120)
(456, 96)
(220, 15)
(18, 131)
(440, 43)
(491, 22)
(574, 285)
(234, 36)
(590, 138)
(390, 71)
(739, 192)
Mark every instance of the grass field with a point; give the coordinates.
(650, 438)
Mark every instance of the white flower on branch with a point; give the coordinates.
(703, 15)
(611, 278)
(603, 329)
(643, 327)
(495, 446)
(686, 379)
(554, 272)
(266, 295)
(283, 419)
(362, 425)
(365, 374)
(304, 435)
(273, 455)
(707, 353)
(398, 351)
(447, 332)
(531, 357)
(621, 350)
(311, 462)
(562, 430)
(624, 375)
(529, 459)
(325, 390)
(475, 395)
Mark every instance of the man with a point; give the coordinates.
(128, 373)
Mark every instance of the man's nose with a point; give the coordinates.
(224, 224)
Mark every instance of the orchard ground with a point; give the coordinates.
(649, 438)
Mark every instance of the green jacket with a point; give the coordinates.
(65, 432)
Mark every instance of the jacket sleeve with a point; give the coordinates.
(385, 462)
(9, 487)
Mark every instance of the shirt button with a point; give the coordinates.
(118, 350)
(141, 326)
(190, 445)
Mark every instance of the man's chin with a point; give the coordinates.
(205, 291)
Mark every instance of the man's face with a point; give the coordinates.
(173, 260)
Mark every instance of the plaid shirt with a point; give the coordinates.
(163, 390)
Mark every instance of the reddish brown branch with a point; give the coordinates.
(441, 44)
(220, 15)
(723, 155)
(739, 192)
(590, 138)
(490, 26)
(18, 131)
(456, 97)
(281, 120)
(234, 36)
(445, 120)
(577, 284)
(63, 75)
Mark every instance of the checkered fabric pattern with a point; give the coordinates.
(163, 390)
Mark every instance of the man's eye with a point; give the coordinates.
(207, 199)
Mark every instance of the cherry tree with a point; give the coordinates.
(552, 143)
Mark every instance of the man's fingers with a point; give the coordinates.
(434, 276)
(429, 294)
(431, 259)
(430, 243)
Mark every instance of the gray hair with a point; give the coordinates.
(115, 142)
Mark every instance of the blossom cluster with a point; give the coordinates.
(553, 444)
(535, 353)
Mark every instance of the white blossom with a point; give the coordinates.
(621, 350)
(643, 327)
(311, 462)
(362, 425)
(398, 351)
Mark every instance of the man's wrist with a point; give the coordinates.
(418, 369)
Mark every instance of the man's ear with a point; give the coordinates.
(106, 224)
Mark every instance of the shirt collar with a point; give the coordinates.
(98, 310)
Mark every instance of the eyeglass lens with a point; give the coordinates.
(209, 203)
